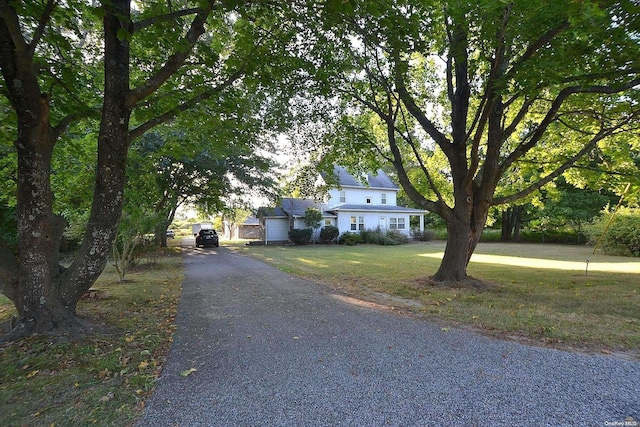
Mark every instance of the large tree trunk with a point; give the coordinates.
(463, 235)
(46, 295)
(113, 143)
(34, 288)
(507, 224)
(453, 267)
(517, 223)
(31, 279)
(38, 303)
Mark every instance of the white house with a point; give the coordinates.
(352, 206)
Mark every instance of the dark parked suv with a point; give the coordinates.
(206, 238)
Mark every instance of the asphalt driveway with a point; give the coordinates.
(270, 349)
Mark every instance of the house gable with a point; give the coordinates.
(379, 180)
(296, 208)
(378, 189)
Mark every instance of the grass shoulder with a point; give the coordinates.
(101, 379)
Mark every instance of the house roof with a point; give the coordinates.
(252, 220)
(377, 208)
(296, 207)
(271, 212)
(292, 207)
(378, 180)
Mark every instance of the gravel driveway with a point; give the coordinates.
(275, 350)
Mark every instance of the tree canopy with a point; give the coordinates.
(125, 67)
(473, 104)
(479, 104)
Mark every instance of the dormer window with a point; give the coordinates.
(383, 198)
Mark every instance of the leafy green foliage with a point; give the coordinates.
(73, 178)
(167, 58)
(312, 218)
(623, 234)
(329, 233)
(480, 104)
(561, 212)
(382, 237)
(423, 236)
(301, 236)
(216, 167)
(136, 224)
(231, 219)
(350, 239)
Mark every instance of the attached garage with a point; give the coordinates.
(275, 225)
(276, 230)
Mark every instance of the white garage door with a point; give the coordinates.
(277, 230)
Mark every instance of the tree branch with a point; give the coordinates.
(522, 113)
(63, 124)
(149, 124)
(536, 46)
(418, 157)
(553, 175)
(42, 25)
(140, 25)
(590, 146)
(491, 99)
(398, 162)
(461, 90)
(564, 94)
(418, 114)
(174, 62)
(14, 31)
(373, 107)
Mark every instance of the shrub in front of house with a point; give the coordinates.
(300, 236)
(423, 236)
(349, 239)
(395, 237)
(378, 237)
(372, 236)
(329, 233)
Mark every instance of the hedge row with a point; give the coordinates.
(374, 237)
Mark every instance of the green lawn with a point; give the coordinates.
(538, 292)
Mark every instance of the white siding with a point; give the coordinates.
(343, 222)
(372, 220)
(359, 196)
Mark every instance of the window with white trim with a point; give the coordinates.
(357, 223)
(343, 197)
(383, 198)
(397, 224)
